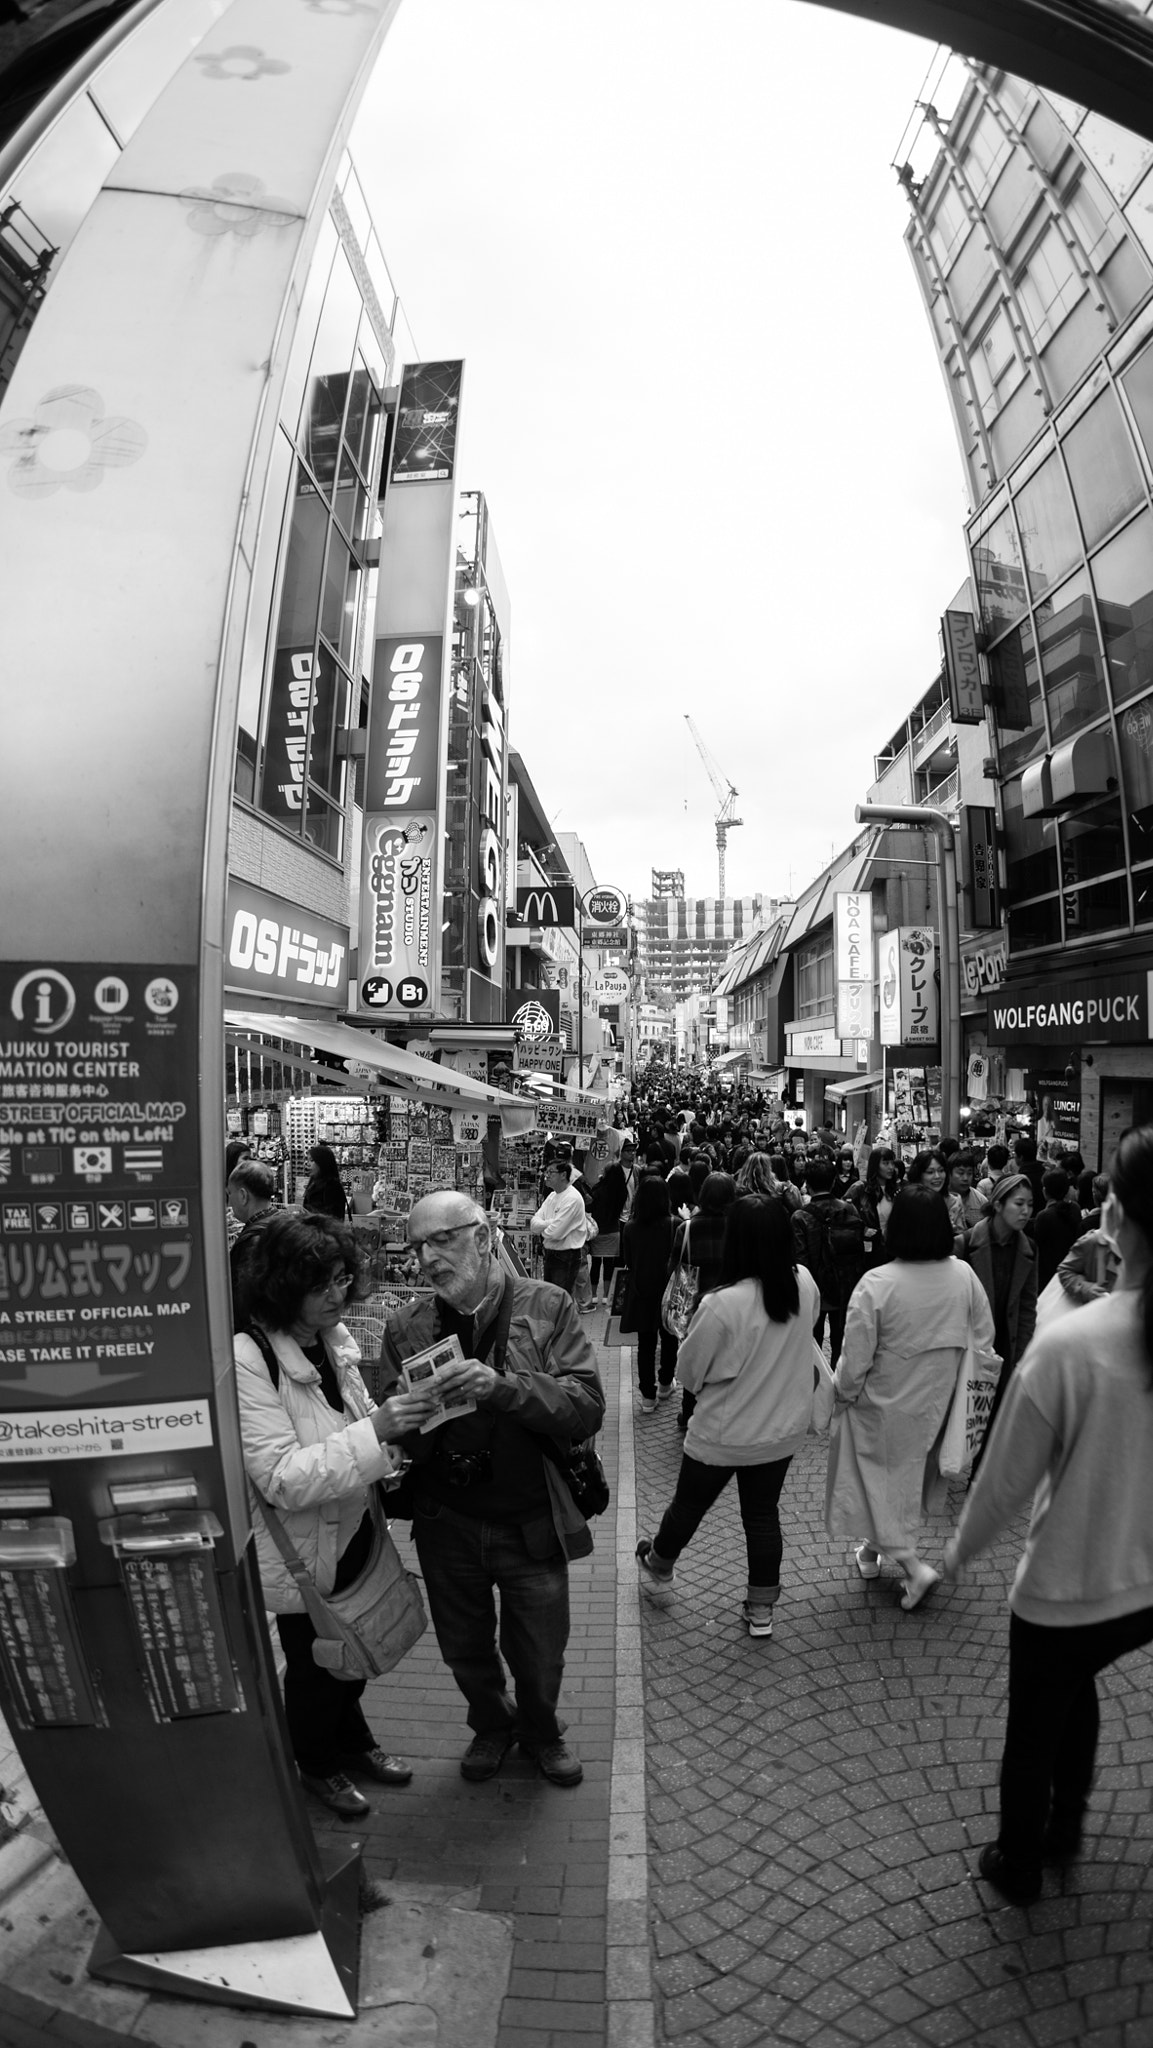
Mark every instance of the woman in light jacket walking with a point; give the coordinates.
(748, 1358)
(314, 1444)
(908, 1325)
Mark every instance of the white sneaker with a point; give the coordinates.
(648, 1407)
(758, 1620)
(869, 1567)
(666, 1393)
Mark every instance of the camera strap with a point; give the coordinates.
(495, 1338)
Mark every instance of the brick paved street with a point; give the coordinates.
(815, 1804)
(515, 1845)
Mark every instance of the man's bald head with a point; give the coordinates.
(450, 1235)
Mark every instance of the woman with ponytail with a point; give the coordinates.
(1075, 1437)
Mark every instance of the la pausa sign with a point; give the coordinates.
(1114, 1009)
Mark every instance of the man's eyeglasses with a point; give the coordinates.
(438, 1240)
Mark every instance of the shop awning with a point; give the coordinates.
(729, 1059)
(404, 1071)
(840, 1089)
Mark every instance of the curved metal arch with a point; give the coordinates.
(1097, 52)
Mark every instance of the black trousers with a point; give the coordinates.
(325, 1723)
(1051, 1736)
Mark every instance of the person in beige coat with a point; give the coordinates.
(314, 1444)
(908, 1325)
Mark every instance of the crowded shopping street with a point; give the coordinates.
(576, 1023)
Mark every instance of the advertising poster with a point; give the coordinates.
(424, 450)
(101, 1294)
(400, 912)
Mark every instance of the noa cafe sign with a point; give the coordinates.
(605, 905)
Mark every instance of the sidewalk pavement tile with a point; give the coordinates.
(816, 1804)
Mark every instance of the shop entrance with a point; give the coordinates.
(1123, 1102)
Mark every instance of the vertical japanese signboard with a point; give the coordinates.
(909, 1006)
(979, 866)
(853, 962)
(400, 913)
(962, 668)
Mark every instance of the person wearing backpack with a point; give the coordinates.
(830, 1240)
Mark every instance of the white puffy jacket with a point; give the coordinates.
(312, 1465)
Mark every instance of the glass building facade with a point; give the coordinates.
(1032, 240)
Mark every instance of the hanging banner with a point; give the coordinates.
(909, 1011)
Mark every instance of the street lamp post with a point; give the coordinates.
(916, 817)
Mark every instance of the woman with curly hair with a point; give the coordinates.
(314, 1446)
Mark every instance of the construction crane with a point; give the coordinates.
(726, 797)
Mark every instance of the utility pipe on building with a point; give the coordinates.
(916, 817)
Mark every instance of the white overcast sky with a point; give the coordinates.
(700, 397)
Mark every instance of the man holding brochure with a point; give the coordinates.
(492, 1513)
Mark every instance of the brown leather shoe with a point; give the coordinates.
(339, 1793)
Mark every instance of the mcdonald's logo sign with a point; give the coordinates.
(554, 905)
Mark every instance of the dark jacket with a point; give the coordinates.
(1055, 1232)
(1022, 1308)
(550, 1387)
(609, 1197)
(325, 1197)
(645, 1249)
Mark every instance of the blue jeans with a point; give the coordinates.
(465, 1563)
(561, 1268)
(1051, 1734)
(759, 1487)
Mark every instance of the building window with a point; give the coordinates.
(987, 150)
(1000, 577)
(1092, 843)
(1030, 847)
(1070, 657)
(1137, 383)
(1048, 526)
(1135, 741)
(1019, 706)
(814, 976)
(1049, 286)
(313, 691)
(1123, 578)
(1102, 467)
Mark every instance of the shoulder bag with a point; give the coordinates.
(367, 1628)
(679, 1299)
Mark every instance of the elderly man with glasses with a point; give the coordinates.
(491, 1511)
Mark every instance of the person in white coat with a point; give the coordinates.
(908, 1326)
(313, 1443)
(748, 1359)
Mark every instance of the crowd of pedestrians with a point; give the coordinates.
(957, 1266)
(781, 1281)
